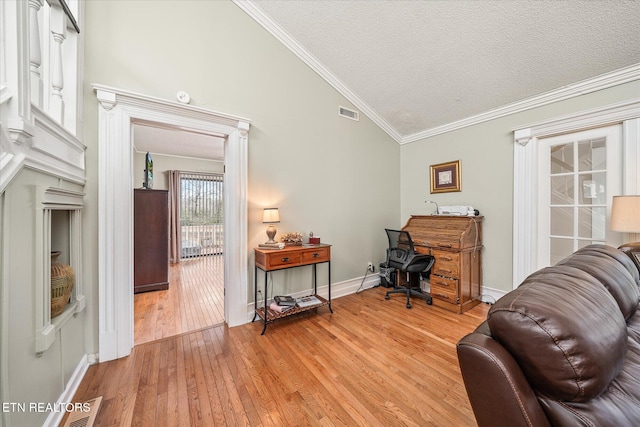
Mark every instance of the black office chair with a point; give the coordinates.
(401, 255)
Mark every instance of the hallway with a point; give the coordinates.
(194, 300)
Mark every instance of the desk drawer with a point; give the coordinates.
(277, 260)
(422, 250)
(447, 264)
(444, 289)
(316, 255)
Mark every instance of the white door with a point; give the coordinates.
(579, 173)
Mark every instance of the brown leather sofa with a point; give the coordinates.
(563, 349)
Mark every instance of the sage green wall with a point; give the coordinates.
(32, 379)
(334, 176)
(486, 154)
(162, 164)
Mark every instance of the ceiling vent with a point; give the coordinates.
(349, 114)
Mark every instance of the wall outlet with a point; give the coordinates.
(370, 267)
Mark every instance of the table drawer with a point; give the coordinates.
(447, 264)
(284, 259)
(316, 255)
(444, 289)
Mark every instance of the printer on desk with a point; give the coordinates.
(458, 210)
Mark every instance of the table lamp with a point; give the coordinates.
(270, 216)
(625, 214)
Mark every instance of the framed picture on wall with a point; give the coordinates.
(445, 177)
(148, 171)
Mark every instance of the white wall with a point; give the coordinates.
(327, 174)
(344, 180)
(486, 155)
(162, 164)
(32, 379)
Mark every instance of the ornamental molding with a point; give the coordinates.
(614, 78)
(118, 111)
(597, 117)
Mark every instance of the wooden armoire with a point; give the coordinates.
(150, 240)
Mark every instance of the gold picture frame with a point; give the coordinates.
(445, 177)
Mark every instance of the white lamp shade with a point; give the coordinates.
(625, 214)
(270, 215)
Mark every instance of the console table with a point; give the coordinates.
(290, 257)
(456, 244)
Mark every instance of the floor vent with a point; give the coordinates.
(87, 416)
(349, 114)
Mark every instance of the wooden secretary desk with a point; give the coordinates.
(456, 244)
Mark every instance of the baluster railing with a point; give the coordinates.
(35, 52)
(58, 31)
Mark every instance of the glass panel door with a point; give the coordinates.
(201, 221)
(579, 175)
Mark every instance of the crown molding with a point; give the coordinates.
(604, 81)
(258, 15)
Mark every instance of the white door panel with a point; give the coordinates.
(579, 173)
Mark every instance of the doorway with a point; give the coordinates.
(579, 174)
(588, 215)
(194, 298)
(118, 110)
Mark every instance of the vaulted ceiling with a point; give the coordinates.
(416, 67)
(419, 68)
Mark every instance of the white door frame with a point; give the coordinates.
(118, 111)
(613, 183)
(525, 171)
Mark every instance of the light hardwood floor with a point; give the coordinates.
(194, 300)
(370, 363)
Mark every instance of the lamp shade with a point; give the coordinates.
(625, 214)
(270, 215)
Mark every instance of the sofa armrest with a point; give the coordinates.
(499, 393)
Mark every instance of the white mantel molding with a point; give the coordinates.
(43, 145)
(118, 111)
(49, 200)
(21, 131)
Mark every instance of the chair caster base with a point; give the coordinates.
(386, 297)
(408, 305)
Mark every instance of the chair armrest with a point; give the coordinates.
(499, 393)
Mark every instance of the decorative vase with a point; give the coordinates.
(62, 281)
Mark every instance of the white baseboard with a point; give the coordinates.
(339, 289)
(348, 287)
(54, 417)
(93, 359)
(351, 286)
(491, 295)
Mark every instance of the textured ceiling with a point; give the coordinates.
(180, 143)
(417, 66)
(423, 64)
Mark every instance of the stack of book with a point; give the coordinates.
(271, 245)
(282, 303)
(307, 301)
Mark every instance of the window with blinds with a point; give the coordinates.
(201, 214)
